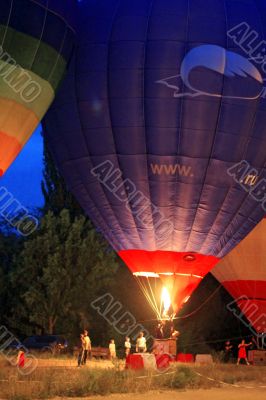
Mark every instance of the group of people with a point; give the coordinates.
(242, 351)
(85, 347)
(141, 346)
(166, 330)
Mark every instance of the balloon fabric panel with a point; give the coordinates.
(243, 274)
(37, 40)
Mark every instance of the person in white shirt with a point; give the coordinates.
(141, 344)
(87, 346)
(112, 349)
(127, 346)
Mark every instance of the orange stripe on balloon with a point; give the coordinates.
(16, 120)
(9, 149)
(17, 123)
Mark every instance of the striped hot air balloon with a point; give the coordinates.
(243, 273)
(159, 104)
(36, 39)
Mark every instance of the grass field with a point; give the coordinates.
(62, 378)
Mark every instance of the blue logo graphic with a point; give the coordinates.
(211, 70)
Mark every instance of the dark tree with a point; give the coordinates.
(60, 271)
(10, 246)
(55, 192)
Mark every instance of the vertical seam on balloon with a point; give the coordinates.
(180, 127)
(223, 250)
(58, 55)
(54, 12)
(114, 213)
(41, 35)
(149, 16)
(186, 44)
(218, 211)
(8, 21)
(95, 207)
(214, 137)
(99, 215)
(109, 42)
(128, 239)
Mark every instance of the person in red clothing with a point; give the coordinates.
(242, 352)
(21, 358)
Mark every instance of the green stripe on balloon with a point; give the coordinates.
(33, 55)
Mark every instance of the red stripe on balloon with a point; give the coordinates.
(248, 288)
(250, 297)
(161, 262)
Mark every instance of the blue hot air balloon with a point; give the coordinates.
(160, 132)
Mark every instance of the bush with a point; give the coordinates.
(184, 377)
(230, 379)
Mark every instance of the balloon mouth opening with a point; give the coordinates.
(166, 274)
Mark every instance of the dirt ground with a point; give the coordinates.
(212, 394)
(72, 363)
(56, 373)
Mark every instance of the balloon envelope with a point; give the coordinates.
(158, 105)
(243, 273)
(36, 40)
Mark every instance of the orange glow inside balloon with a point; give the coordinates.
(166, 301)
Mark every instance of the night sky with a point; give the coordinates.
(23, 178)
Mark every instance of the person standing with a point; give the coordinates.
(81, 350)
(127, 346)
(112, 349)
(87, 347)
(255, 343)
(242, 353)
(159, 332)
(21, 358)
(174, 333)
(141, 346)
(227, 351)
